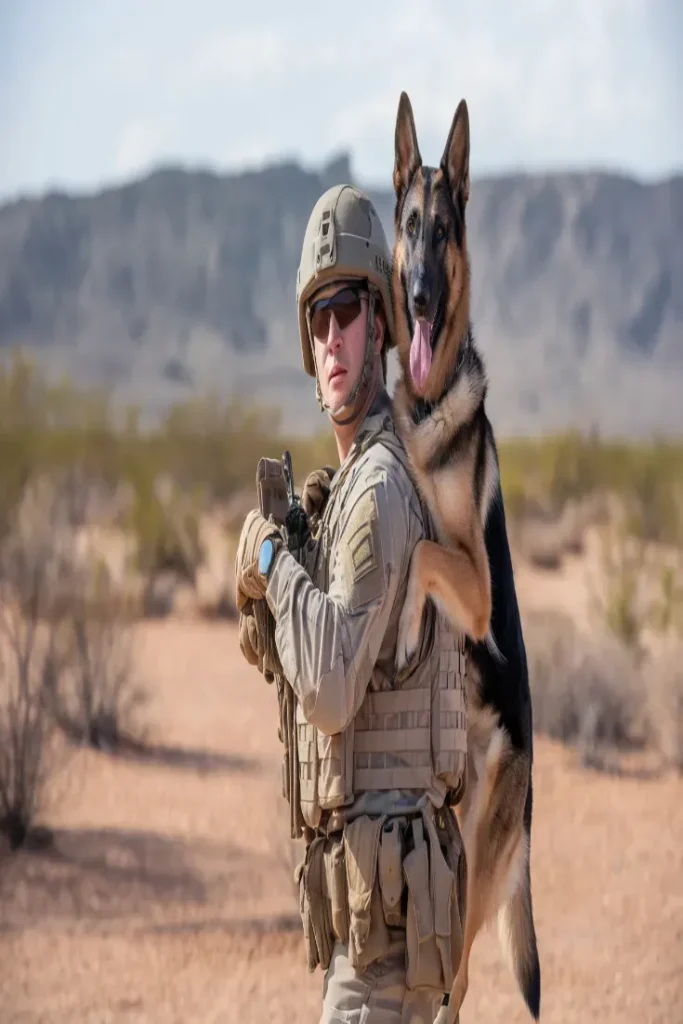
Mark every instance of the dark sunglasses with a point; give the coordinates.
(345, 304)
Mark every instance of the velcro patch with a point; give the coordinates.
(362, 552)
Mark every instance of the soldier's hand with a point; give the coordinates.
(249, 586)
(316, 490)
(249, 638)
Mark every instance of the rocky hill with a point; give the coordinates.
(183, 283)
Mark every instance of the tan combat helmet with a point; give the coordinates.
(344, 240)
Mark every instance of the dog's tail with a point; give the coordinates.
(518, 937)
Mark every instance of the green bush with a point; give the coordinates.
(647, 477)
(210, 448)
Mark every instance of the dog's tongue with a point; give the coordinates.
(421, 352)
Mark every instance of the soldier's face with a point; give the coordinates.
(339, 316)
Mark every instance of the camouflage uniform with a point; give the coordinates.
(336, 631)
(373, 756)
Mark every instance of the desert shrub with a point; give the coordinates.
(166, 529)
(540, 475)
(618, 596)
(586, 690)
(638, 587)
(96, 697)
(664, 684)
(31, 567)
(29, 668)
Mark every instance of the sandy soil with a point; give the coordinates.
(167, 896)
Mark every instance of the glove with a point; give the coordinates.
(250, 645)
(316, 490)
(248, 582)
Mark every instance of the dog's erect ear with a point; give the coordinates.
(407, 153)
(455, 162)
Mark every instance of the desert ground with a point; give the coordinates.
(166, 895)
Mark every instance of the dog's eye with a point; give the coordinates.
(439, 232)
(412, 224)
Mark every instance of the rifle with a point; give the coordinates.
(296, 520)
(278, 502)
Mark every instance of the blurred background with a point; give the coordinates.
(158, 165)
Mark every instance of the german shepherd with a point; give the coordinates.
(439, 408)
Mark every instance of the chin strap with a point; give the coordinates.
(365, 376)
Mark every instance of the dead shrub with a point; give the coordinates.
(30, 667)
(97, 698)
(638, 588)
(586, 690)
(664, 679)
(29, 750)
(65, 590)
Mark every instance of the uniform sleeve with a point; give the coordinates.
(329, 642)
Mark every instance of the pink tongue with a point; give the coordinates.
(421, 352)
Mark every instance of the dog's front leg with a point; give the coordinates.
(411, 615)
(460, 589)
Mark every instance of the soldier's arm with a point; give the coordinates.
(328, 642)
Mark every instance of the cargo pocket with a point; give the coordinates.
(368, 934)
(391, 874)
(424, 968)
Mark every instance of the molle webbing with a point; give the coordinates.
(402, 738)
(392, 741)
(449, 722)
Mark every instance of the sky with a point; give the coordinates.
(92, 94)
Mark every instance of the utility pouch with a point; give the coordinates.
(444, 900)
(424, 967)
(368, 933)
(454, 851)
(390, 873)
(337, 892)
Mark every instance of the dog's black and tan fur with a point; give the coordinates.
(469, 573)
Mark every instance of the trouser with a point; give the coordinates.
(376, 994)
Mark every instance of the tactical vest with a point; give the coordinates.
(411, 737)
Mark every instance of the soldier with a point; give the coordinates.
(379, 749)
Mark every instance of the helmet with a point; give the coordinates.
(344, 240)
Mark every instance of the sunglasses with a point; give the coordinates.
(346, 306)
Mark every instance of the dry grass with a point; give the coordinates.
(586, 691)
(169, 875)
(597, 694)
(663, 681)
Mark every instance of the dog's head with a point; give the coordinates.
(430, 268)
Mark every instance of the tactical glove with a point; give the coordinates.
(250, 585)
(250, 643)
(316, 491)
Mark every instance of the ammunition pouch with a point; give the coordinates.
(383, 874)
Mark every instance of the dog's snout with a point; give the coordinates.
(420, 295)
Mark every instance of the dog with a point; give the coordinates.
(439, 403)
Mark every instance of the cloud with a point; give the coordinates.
(236, 59)
(140, 145)
(549, 84)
